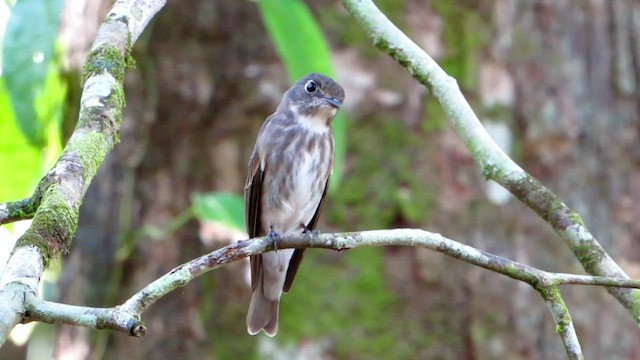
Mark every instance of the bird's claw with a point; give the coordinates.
(273, 238)
(313, 233)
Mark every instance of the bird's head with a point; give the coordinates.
(315, 96)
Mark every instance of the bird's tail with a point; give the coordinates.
(263, 314)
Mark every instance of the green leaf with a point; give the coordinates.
(28, 49)
(303, 49)
(20, 161)
(297, 37)
(224, 208)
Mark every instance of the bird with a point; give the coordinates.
(288, 177)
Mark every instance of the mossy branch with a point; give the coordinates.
(55, 203)
(17, 210)
(23, 209)
(494, 163)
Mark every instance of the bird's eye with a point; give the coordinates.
(310, 87)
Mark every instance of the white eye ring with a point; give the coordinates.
(310, 87)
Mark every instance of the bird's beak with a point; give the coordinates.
(334, 102)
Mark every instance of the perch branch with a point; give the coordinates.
(55, 204)
(126, 317)
(494, 163)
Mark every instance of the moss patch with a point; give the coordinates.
(589, 256)
(53, 226)
(105, 58)
(545, 203)
(91, 148)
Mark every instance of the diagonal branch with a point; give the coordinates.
(55, 204)
(494, 163)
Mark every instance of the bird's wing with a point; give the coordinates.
(252, 190)
(298, 254)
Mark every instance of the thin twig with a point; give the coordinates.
(97, 318)
(26, 208)
(562, 318)
(16, 210)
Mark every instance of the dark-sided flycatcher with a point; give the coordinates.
(288, 178)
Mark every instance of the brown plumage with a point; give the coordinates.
(288, 178)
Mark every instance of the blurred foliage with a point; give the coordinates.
(332, 300)
(220, 310)
(382, 186)
(28, 51)
(18, 157)
(465, 32)
(289, 24)
(343, 29)
(32, 95)
(224, 208)
(435, 118)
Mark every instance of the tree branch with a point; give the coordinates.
(562, 318)
(494, 163)
(24, 209)
(55, 204)
(97, 318)
(17, 210)
(126, 317)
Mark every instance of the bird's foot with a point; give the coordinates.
(273, 238)
(313, 233)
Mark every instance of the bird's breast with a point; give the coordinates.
(294, 181)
